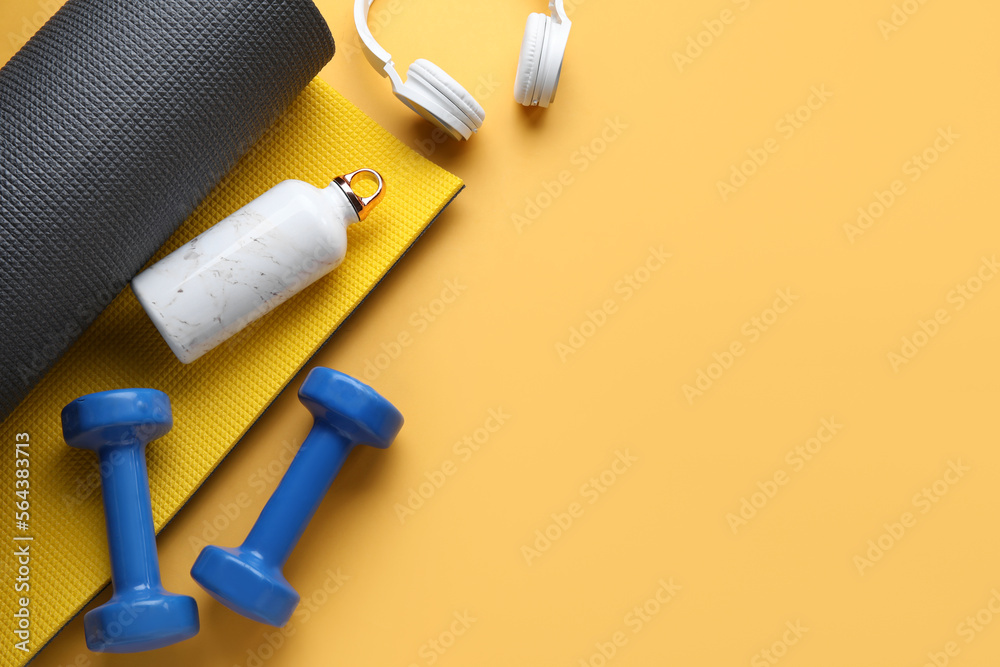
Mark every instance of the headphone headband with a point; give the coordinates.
(558, 11)
(379, 58)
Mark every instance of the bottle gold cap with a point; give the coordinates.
(362, 205)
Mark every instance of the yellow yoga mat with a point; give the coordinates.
(217, 398)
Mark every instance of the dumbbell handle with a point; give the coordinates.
(128, 513)
(299, 494)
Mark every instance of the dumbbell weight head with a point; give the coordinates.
(126, 624)
(120, 417)
(351, 408)
(245, 582)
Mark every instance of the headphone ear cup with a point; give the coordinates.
(529, 62)
(450, 91)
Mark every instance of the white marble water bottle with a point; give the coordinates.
(251, 262)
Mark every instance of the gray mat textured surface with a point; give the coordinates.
(116, 119)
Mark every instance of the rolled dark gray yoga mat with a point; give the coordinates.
(116, 119)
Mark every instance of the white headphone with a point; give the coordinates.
(437, 97)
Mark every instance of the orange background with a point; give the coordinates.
(785, 430)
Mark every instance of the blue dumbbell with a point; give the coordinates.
(248, 579)
(141, 614)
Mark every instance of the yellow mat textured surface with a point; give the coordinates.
(218, 397)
